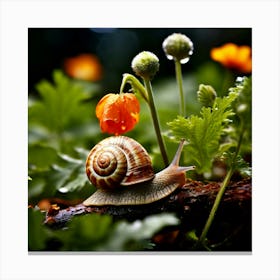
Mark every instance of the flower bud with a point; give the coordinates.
(206, 95)
(118, 113)
(178, 47)
(145, 65)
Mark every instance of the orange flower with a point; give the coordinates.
(85, 67)
(233, 57)
(118, 113)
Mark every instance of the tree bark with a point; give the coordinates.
(193, 198)
(230, 231)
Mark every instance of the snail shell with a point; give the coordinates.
(121, 169)
(118, 161)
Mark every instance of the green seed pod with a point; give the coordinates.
(178, 47)
(206, 95)
(145, 65)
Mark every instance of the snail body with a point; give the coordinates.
(122, 172)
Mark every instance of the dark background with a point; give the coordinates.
(116, 47)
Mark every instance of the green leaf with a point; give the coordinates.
(37, 233)
(243, 88)
(243, 109)
(204, 132)
(131, 236)
(36, 186)
(60, 173)
(60, 106)
(240, 164)
(41, 156)
(243, 106)
(71, 176)
(97, 232)
(86, 233)
(191, 236)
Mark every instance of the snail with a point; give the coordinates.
(121, 170)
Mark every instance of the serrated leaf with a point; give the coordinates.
(71, 176)
(62, 173)
(75, 184)
(204, 132)
(239, 163)
(60, 105)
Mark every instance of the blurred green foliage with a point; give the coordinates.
(61, 112)
(96, 232)
(243, 110)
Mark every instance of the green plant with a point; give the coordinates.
(96, 232)
(204, 132)
(62, 129)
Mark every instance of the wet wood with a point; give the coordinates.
(192, 202)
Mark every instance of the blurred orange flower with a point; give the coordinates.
(84, 67)
(118, 113)
(233, 57)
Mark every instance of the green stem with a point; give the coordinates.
(135, 84)
(220, 194)
(178, 70)
(147, 95)
(151, 103)
(215, 207)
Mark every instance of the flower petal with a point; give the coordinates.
(233, 57)
(118, 113)
(84, 66)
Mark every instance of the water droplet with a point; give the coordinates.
(239, 79)
(184, 60)
(170, 57)
(63, 190)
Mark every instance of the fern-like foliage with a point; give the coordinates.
(204, 132)
(239, 164)
(60, 104)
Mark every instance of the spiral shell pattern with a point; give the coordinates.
(118, 161)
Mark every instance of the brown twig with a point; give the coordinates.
(192, 202)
